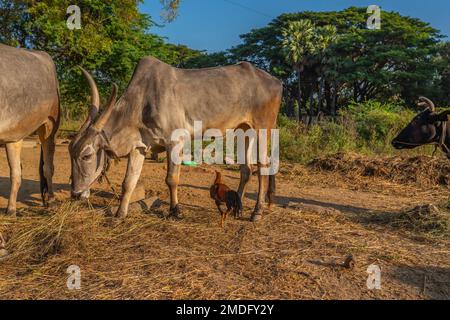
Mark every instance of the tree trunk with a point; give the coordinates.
(333, 98)
(328, 96)
(320, 95)
(291, 108)
(311, 103)
(299, 100)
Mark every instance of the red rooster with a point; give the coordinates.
(221, 193)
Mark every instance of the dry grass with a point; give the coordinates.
(402, 176)
(290, 255)
(428, 221)
(422, 171)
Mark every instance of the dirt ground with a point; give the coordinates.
(293, 253)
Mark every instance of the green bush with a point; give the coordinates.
(300, 143)
(365, 128)
(377, 124)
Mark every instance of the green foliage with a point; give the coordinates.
(205, 60)
(303, 41)
(376, 123)
(113, 38)
(298, 41)
(305, 44)
(401, 61)
(300, 143)
(365, 127)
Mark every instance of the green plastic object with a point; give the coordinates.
(189, 163)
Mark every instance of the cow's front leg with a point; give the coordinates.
(172, 181)
(48, 154)
(13, 151)
(135, 162)
(259, 208)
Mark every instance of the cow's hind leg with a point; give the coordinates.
(46, 166)
(259, 208)
(246, 173)
(263, 180)
(13, 151)
(172, 181)
(270, 198)
(246, 169)
(134, 168)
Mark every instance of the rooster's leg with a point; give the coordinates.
(218, 207)
(224, 216)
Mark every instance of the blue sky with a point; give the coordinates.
(215, 25)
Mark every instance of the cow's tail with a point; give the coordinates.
(271, 190)
(238, 202)
(234, 201)
(43, 180)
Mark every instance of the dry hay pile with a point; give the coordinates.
(427, 220)
(424, 171)
(288, 255)
(147, 257)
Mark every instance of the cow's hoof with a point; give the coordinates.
(50, 203)
(50, 200)
(3, 254)
(120, 214)
(175, 213)
(47, 200)
(11, 213)
(256, 217)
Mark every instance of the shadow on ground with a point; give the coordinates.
(28, 191)
(431, 281)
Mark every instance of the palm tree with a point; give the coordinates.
(325, 37)
(298, 45)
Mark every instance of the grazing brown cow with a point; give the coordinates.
(29, 102)
(160, 99)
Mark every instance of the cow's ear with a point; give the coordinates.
(443, 116)
(142, 147)
(110, 152)
(106, 146)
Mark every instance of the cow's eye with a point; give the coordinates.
(87, 157)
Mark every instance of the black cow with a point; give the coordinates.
(428, 127)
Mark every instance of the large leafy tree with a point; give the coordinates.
(12, 16)
(114, 36)
(403, 60)
(442, 83)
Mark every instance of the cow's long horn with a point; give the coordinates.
(95, 100)
(108, 110)
(427, 103)
(95, 97)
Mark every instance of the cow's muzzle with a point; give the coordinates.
(83, 195)
(397, 144)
